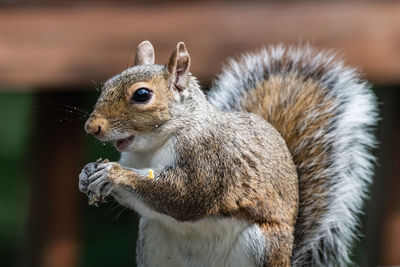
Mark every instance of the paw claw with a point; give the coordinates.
(95, 180)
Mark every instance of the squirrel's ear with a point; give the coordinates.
(178, 66)
(144, 53)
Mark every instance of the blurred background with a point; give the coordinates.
(55, 54)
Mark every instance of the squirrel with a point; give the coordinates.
(270, 168)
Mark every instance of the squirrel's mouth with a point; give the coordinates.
(123, 144)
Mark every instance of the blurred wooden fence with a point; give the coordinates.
(51, 47)
(64, 47)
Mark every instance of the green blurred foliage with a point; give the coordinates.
(15, 118)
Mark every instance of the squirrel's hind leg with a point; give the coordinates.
(279, 243)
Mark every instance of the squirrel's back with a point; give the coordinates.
(325, 113)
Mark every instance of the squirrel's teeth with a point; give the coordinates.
(123, 144)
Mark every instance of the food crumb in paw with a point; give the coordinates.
(151, 174)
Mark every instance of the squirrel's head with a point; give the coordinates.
(138, 102)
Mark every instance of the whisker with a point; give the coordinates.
(63, 109)
(69, 108)
(120, 213)
(115, 208)
(72, 107)
(95, 85)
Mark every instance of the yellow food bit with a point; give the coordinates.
(151, 174)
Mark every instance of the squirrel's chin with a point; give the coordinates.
(124, 144)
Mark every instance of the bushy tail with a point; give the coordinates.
(325, 113)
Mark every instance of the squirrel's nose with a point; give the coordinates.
(96, 126)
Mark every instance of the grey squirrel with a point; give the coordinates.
(269, 169)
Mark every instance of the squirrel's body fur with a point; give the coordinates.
(228, 189)
(324, 111)
(211, 230)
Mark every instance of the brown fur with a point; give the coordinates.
(288, 117)
(227, 163)
(234, 164)
(114, 104)
(229, 170)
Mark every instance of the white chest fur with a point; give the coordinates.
(208, 242)
(164, 241)
(151, 158)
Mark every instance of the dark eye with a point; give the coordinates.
(141, 95)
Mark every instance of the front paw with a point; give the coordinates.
(97, 180)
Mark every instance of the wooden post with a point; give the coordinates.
(389, 226)
(52, 238)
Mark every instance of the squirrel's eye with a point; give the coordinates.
(141, 95)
